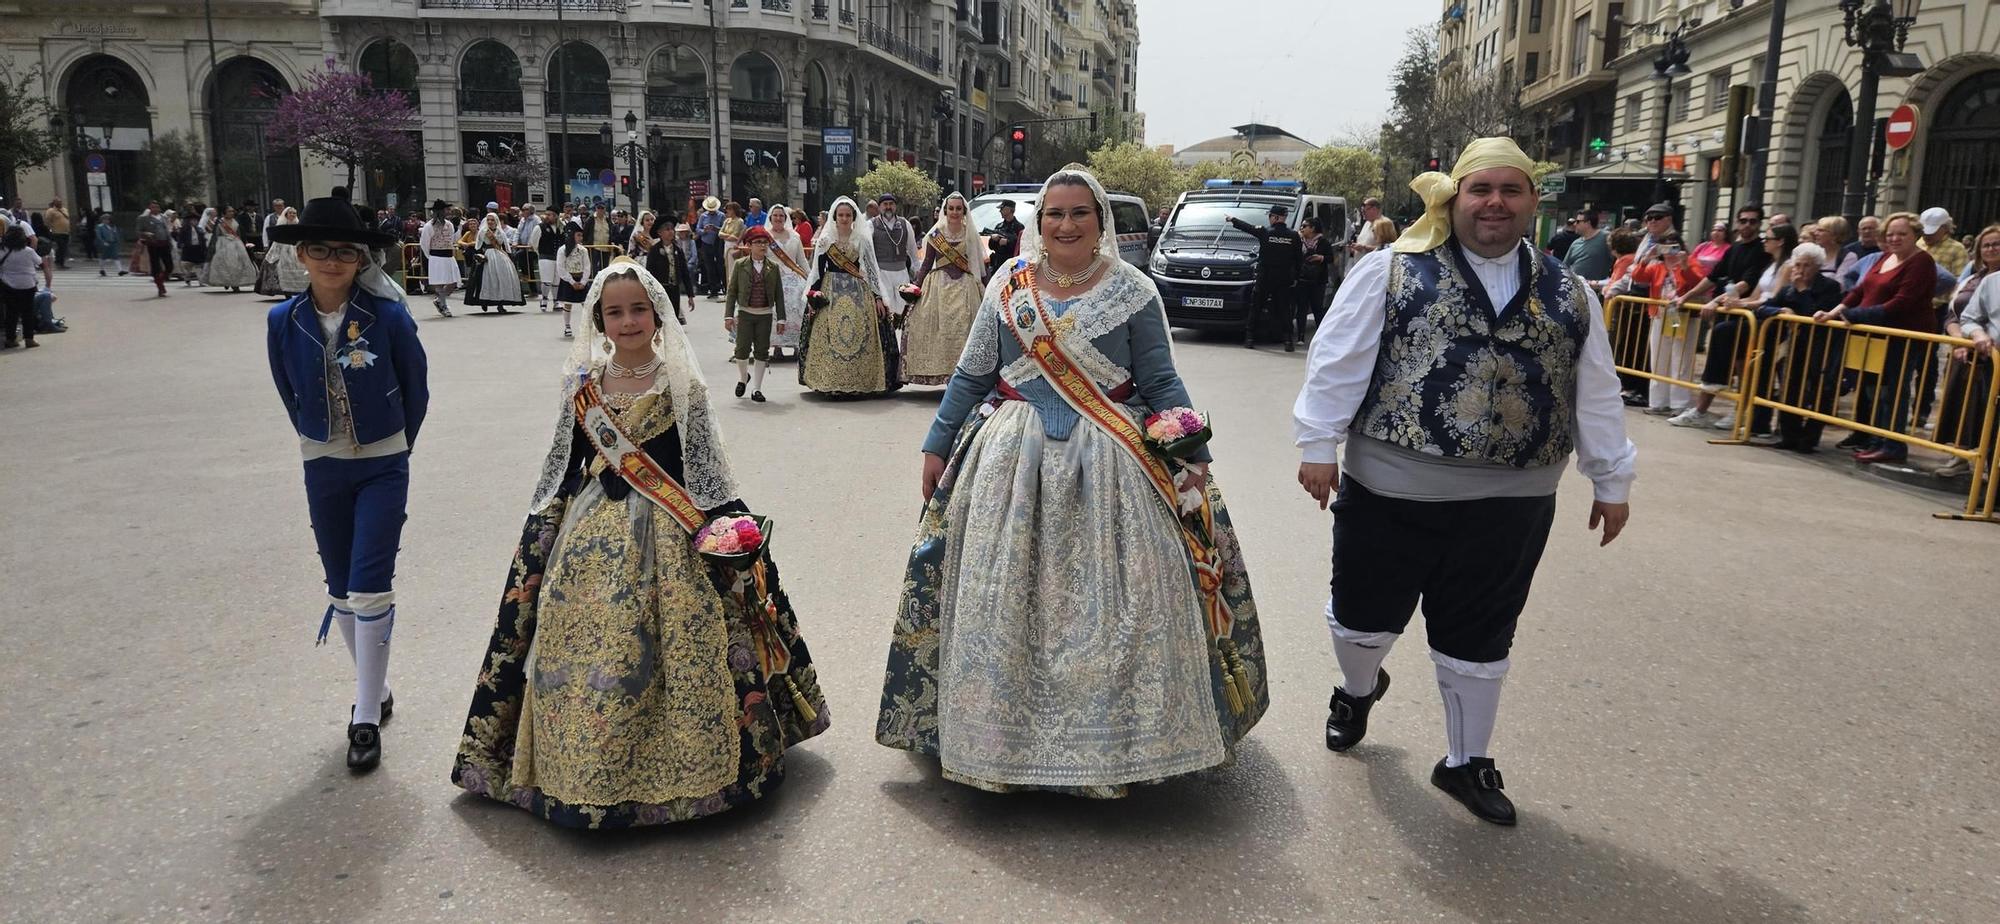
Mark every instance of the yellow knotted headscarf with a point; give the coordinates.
(1431, 231)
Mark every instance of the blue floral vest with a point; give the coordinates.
(1451, 380)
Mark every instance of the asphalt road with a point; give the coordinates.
(1772, 700)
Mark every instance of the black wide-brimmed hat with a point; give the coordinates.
(330, 219)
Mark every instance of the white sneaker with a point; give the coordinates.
(1726, 423)
(1693, 418)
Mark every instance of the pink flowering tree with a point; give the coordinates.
(341, 119)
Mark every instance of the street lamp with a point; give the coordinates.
(1672, 63)
(635, 151)
(1879, 31)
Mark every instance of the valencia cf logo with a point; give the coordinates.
(1207, 272)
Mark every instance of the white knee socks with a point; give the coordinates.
(372, 625)
(1471, 692)
(742, 371)
(757, 382)
(1360, 654)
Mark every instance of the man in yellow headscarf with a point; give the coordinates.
(1459, 368)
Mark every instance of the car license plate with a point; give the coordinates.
(1196, 301)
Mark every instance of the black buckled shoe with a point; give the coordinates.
(1477, 786)
(364, 747)
(757, 396)
(1347, 715)
(740, 386)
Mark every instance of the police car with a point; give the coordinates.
(1128, 216)
(1205, 268)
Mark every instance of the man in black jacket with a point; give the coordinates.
(1003, 242)
(1277, 273)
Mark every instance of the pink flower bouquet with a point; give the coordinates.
(1177, 432)
(733, 540)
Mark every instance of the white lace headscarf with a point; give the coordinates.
(967, 238)
(704, 461)
(206, 223)
(489, 237)
(1107, 242)
(857, 238)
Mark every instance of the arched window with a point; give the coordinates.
(579, 79)
(677, 85)
(756, 90)
(391, 65)
(489, 80)
(1960, 171)
(242, 95)
(819, 109)
(105, 105)
(1836, 139)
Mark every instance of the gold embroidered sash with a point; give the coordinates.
(950, 251)
(1034, 329)
(632, 463)
(652, 482)
(844, 263)
(785, 260)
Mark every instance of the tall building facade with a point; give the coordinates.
(1591, 102)
(786, 99)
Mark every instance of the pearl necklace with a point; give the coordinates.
(636, 372)
(1071, 280)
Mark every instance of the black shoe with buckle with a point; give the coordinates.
(1477, 786)
(757, 396)
(364, 746)
(740, 386)
(1347, 714)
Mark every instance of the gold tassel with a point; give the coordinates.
(806, 712)
(1229, 691)
(1238, 676)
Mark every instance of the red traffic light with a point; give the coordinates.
(1432, 164)
(1020, 134)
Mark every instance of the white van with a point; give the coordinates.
(1128, 217)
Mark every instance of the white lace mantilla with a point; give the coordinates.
(1122, 293)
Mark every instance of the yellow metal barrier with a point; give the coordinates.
(1655, 340)
(416, 270)
(1806, 365)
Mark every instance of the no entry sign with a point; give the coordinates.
(1902, 127)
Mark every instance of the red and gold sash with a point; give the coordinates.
(631, 462)
(785, 260)
(653, 483)
(950, 251)
(1035, 331)
(844, 263)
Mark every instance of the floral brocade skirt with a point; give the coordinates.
(845, 348)
(622, 685)
(1050, 635)
(934, 333)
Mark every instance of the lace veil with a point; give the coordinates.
(857, 238)
(969, 238)
(705, 462)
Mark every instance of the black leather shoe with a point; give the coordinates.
(740, 386)
(1289, 344)
(364, 747)
(1853, 441)
(1347, 715)
(757, 396)
(1477, 786)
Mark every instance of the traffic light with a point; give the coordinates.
(1017, 148)
(625, 185)
(1433, 164)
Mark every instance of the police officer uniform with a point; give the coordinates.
(354, 383)
(1278, 259)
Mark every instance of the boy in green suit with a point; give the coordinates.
(756, 302)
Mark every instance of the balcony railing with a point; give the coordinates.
(676, 108)
(581, 102)
(847, 17)
(878, 35)
(819, 10)
(777, 6)
(568, 6)
(819, 116)
(494, 102)
(756, 112)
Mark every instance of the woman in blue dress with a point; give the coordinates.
(1064, 625)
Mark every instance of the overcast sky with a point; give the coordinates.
(1311, 67)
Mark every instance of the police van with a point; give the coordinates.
(1128, 216)
(1206, 269)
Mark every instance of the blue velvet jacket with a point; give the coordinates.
(380, 359)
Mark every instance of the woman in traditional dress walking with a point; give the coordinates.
(949, 276)
(847, 346)
(792, 270)
(229, 264)
(499, 282)
(1076, 616)
(193, 240)
(572, 275)
(282, 273)
(646, 667)
(439, 241)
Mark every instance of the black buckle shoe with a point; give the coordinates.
(757, 396)
(740, 386)
(364, 747)
(1477, 786)
(1347, 715)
